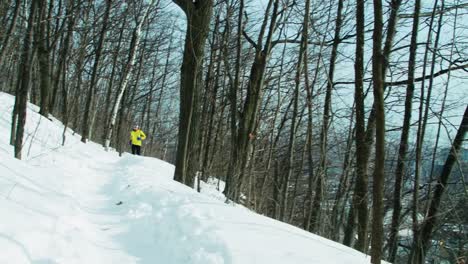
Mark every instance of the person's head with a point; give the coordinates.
(136, 127)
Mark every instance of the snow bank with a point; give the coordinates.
(80, 204)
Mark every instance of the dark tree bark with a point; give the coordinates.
(43, 54)
(249, 115)
(21, 102)
(360, 202)
(360, 191)
(10, 31)
(198, 15)
(211, 92)
(416, 255)
(403, 148)
(378, 178)
(233, 88)
(71, 14)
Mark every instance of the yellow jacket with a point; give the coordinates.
(136, 137)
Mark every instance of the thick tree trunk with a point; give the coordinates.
(378, 179)
(21, 102)
(248, 118)
(233, 88)
(43, 54)
(198, 21)
(360, 199)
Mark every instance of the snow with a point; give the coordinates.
(81, 204)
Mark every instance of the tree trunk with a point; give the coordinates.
(378, 179)
(418, 253)
(90, 98)
(10, 31)
(361, 209)
(198, 21)
(43, 54)
(343, 186)
(403, 148)
(310, 160)
(233, 88)
(21, 102)
(126, 75)
(79, 80)
(360, 199)
(66, 45)
(292, 134)
(209, 98)
(322, 175)
(112, 77)
(248, 117)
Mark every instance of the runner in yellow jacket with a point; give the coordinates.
(136, 138)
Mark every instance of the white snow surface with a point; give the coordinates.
(60, 205)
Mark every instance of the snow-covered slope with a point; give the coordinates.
(80, 204)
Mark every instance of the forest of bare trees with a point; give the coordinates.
(345, 118)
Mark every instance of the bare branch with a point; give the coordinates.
(250, 40)
(295, 41)
(428, 14)
(460, 67)
(463, 67)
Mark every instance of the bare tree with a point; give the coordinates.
(360, 191)
(10, 31)
(403, 148)
(198, 15)
(297, 82)
(418, 252)
(326, 122)
(134, 44)
(249, 115)
(24, 75)
(90, 98)
(378, 179)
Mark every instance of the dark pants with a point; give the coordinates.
(136, 149)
